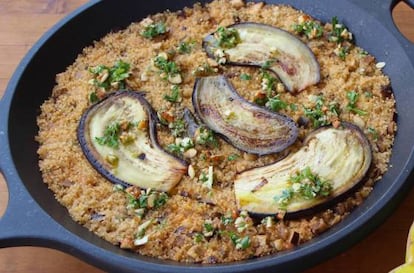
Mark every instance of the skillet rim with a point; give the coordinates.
(11, 173)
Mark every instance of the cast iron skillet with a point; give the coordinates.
(34, 217)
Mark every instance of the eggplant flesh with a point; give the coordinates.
(271, 47)
(139, 160)
(246, 126)
(340, 156)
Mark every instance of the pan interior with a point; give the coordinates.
(38, 78)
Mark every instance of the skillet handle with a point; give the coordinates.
(24, 222)
(410, 3)
(381, 10)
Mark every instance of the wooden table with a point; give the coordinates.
(22, 22)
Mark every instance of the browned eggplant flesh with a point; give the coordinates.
(118, 137)
(331, 162)
(265, 46)
(246, 126)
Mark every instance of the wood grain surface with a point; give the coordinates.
(22, 22)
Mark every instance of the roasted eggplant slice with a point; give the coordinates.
(269, 47)
(246, 126)
(330, 163)
(118, 137)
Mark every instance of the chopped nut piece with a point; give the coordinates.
(175, 79)
(191, 171)
(380, 65)
(190, 153)
(237, 3)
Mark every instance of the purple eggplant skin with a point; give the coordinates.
(257, 131)
(292, 60)
(178, 165)
(192, 124)
(336, 196)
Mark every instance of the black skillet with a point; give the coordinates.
(33, 217)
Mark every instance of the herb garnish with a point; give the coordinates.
(227, 37)
(316, 114)
(373, 133)
(93, 97)
(109, 77)
(206, 136)
(268, 81)
(177, 127)
(341, 52)
(339, 32)
(276, 104)
(185, 47)
(310, 28)
(240, 243)
(245, 77)
(185, 144)
(304, 185)
(175, 94)
(169, 68)
(147, 199)
(226, 219)
(232, 157)
(153, 30)
(352, 97)
(111, 136)
(198, 237)
(293, 107)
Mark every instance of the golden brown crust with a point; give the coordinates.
(90, 199)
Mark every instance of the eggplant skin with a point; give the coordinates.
(142, 162)
(246, 126)
(341, 156)
(285, 54)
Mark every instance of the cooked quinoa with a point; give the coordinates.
(199, 223)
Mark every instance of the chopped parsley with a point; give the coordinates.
(175, 94)
(267, 64)
(316, 114)
(352, 97)
(119, 72)
(339, 32)
(269, 82)
(226, 219)
(309, 28)
(153, 30)
(93, 97)
(304, 185)
(342, 52)
(203, 177)
(373, 133)
(109, 77)
(240, 243)
(293, 107)
(208, 226)
(185, 47)
(276, 104)
(111, 136)
(207, 137)
(227, 37)
(184, 145)
(245, 77)
(261, 99)
(169, 68)
(334, 108)
(147, 199)
(232, 157)
(198, 237)
(177, 127)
